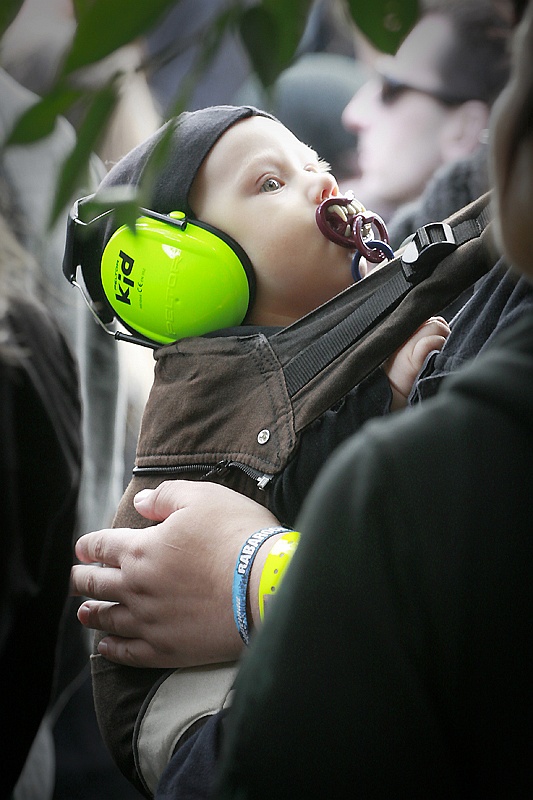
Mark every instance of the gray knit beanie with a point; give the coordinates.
(193, 134)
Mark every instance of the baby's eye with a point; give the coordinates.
(271, 185)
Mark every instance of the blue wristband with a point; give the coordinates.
(241, 576)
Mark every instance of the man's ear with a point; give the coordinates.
(464, 130)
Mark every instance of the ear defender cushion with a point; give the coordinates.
(171, 280)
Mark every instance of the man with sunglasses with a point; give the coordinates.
(429, 105)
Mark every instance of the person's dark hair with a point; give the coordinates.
(519, 6)
(478, 64)
(523, 123)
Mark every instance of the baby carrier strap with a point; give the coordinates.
(335, 347)
(240, 402)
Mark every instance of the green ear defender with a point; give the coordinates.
(169, 278)
(168, 283)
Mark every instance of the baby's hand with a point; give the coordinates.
(405, 364)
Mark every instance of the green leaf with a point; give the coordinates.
(271, 33)
(39, 120)
(80, 7)
(155, 164)
(89, 133)
(258, 27)
(291, 20)
(8, 11)
(105, 25)
(385, 23)
(124, 200)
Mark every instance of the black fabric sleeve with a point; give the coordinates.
(371, 398)
(501, 298)
(40, 463)
(190, 773)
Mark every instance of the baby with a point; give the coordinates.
(243, 174)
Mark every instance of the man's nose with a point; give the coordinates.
(358, 113)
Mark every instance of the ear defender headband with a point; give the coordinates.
(169, 278)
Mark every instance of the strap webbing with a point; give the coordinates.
(469, 228)
(310, 361)
(313, 358)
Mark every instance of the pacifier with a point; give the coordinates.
(346, 222)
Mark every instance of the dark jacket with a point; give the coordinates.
(403, 627)
(40, 463)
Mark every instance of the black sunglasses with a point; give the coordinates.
(392, 90)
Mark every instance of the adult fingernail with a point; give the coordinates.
(102, 648)
(143, 495)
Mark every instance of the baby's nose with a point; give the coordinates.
(323, 187)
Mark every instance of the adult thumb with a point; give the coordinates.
(159, 503)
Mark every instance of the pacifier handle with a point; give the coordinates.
(368, 248)
(378, 250)
(367, 231)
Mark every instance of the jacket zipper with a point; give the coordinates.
(262, 479)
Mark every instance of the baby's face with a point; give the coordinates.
(512, 163)
(261, 185)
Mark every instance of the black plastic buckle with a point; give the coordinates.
(428, 246)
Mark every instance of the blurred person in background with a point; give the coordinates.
(31, 51)
(429, 105)
(172, 47)
(40, 415)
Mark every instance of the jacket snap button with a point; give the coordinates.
(263, 436)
